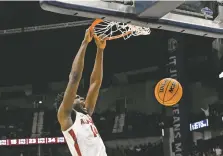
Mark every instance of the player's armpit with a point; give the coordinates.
(65, 123)
(66, 107)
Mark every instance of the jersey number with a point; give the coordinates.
(94, 130)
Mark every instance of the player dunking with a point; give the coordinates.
(79, 130)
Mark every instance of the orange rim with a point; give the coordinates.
(97, 21)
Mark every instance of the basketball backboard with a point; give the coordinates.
(191, 17)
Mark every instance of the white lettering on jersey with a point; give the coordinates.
(83, 138)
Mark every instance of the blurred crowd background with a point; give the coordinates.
(125, 132)
(35, 67)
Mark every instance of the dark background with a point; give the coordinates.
(44, 56)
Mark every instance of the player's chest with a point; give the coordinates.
(87, 129)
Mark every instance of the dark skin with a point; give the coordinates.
(71, 99)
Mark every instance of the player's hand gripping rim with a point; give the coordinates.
(101, 44)
(88, 36)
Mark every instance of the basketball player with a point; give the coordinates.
(79, 130)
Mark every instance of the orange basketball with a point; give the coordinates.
(168, 92)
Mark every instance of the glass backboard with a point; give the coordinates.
(191, 17)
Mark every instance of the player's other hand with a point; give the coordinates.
(101, 44)
(88, 36)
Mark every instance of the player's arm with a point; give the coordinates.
(96, 77)
(65, 109)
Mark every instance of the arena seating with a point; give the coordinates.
(15, 123)
(51, 126)
(141, 150)
(211, 147)
(134, 125)
(18, 122)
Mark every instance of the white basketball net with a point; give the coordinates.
(107, 29)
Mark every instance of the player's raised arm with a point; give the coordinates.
(96, 77)
(65, 109)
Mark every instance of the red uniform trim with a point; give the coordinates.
(76, 146)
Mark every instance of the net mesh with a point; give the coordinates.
(110, 30)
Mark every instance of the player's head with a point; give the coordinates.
(78, 104)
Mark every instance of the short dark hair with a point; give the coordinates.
(58, 100)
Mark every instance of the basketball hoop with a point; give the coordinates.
(107, 30)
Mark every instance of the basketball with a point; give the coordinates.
(168, 92)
